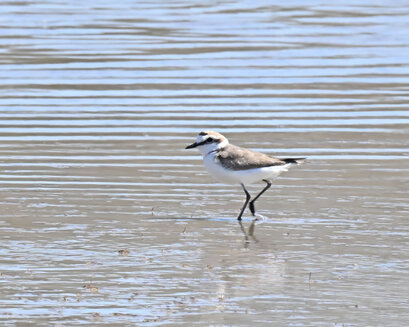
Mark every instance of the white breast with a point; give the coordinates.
(247, 176)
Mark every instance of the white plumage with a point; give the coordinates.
(247, 176)
(232, 164)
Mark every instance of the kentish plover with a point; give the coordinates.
(233, 164)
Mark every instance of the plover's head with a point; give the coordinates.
(209, 141)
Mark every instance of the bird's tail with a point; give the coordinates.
(297, 161)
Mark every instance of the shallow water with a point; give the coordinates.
(107, 220)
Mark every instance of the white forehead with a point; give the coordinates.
(206, 134)
(201, 138)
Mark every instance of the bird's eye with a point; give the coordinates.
(209, 140)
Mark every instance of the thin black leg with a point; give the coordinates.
(251, 205)
(245, 203)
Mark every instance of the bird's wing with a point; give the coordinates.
(237, 158)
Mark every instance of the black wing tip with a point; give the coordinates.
(297, 161)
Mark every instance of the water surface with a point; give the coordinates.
(107, 220)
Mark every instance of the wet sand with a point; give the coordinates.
(107, 220)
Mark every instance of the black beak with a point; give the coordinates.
(193, 145)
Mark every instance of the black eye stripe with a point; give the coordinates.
(209, 140)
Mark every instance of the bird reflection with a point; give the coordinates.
(249, 234)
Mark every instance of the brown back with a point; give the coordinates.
(237, 158)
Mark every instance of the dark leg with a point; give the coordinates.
(245, 203)
(251, 205)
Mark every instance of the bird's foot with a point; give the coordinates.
(259, 217)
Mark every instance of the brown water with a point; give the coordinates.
(107, 220)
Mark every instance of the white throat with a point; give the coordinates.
(210, 148)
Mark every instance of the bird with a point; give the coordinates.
(234, 164)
